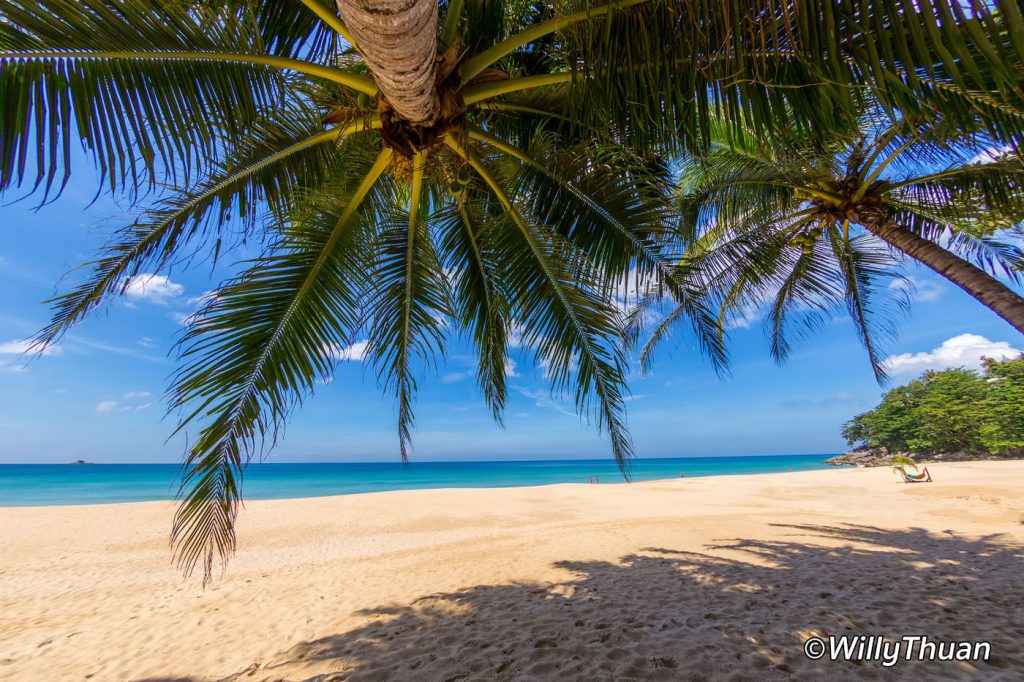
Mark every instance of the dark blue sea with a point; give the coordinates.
(48, 484)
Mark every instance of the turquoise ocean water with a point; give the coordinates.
(47, 484)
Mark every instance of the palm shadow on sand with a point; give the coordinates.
(663, 614)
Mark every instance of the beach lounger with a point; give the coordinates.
(923, 477)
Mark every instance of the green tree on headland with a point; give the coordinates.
(956, 410)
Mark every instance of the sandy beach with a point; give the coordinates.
(704, 578)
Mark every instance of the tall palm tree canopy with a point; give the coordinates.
(804, 230)
(414, 168)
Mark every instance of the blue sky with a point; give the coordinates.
(98, 396)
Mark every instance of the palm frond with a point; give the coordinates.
(255, 350)
(873, 302)
(134, 118)
(277, 158)
(991, 195)
(978, 238)
(407, 301)
(152, 89)
(479, 303)
(607, 204)
(770, 67)
(556, 296)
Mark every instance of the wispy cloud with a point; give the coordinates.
(197, 303)
(992, 154)
(965, 350)
(180, 317)
(106, 405)
(129, 403)
(202, 299)
(923, 290)
(744, 317)
(24, 346)
(545, 366)
(135, 353)
(515, 336)
(543, 399)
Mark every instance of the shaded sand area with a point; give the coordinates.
(707, 578)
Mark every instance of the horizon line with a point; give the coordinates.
(433, 461)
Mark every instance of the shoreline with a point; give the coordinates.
(613, 477)
(437, 489)
(659, 580)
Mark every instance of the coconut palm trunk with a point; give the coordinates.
(972, 279)
(398, 39)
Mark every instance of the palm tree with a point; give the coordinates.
(805, 229)
(900, 463)
(491, 163)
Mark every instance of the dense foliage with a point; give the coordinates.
(956, 410)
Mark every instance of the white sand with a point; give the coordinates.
(704, 578)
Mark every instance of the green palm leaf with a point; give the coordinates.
(256, 349)
(565, 320)
(279, 157)
(479, 304)
(408, 303)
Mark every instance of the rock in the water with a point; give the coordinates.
(867, 457)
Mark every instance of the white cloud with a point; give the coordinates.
(545, 365)
(153, 288)
(743, 317)
(198, 302)
(965, 350)
(992, 154)
(144, 406)
(202, 299)
(106, 406)
(356, 352)
(133, 395)
(19, 347)
(455, 377)
(923, 290)
(146, 342)
(515, 336)
(181, 318)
